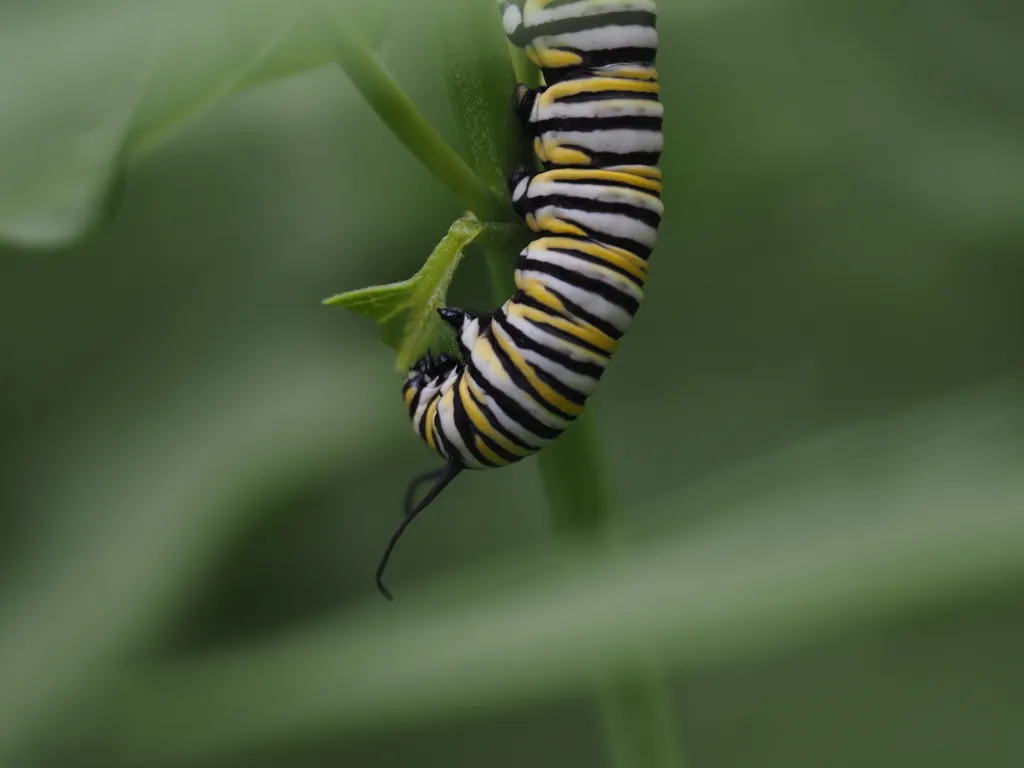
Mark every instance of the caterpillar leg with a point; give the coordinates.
(524, 104)
(519, 187)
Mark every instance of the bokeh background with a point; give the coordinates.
(201, 464)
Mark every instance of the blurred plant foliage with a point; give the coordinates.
(194, 488)
(127, 75)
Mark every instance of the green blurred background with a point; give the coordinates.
(198, 458)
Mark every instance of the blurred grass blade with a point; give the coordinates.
(415, 301)
(371, 78)
(808, 553)
(85, 85)
(64, 624)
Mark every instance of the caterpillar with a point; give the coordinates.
(527, 369)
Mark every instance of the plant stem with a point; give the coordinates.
(526, 72)
(637, 717)
(633, 703)
(371, 78)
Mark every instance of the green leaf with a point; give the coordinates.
(806, 551)
(222, 47)
(257, 426)
(414, 302)
(381, 302)
(70, 80)
(386, 305)
(85, 86)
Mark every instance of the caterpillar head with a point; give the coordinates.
(467, 327)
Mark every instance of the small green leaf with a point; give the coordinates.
(386, 305)
(407, 311)
(380, 302)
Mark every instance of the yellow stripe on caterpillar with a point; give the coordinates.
(539, 292)
(620, 257)
(544, 390)
(553, 58)
(428, 429)
(487, 453)
(550, 151)
(635, 73)
(599, 174)
(647, 171)
(480, 420)
(553, 225)
(597, 84)
(585, 333)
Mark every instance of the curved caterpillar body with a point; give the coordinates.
(528, 368)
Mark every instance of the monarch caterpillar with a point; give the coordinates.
(527, 369)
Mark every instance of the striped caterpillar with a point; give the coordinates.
(527, 369)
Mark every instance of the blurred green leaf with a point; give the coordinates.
(415, 301)
(168, 517)
(211, 50)
(801, 555)
(70, 80)
(85, 86)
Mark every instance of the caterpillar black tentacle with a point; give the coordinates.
(528, 368)
(449, 473)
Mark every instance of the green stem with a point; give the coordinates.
(637, 717)
(371, 78)
(633, 703)
(526, 71)
(576, 485)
